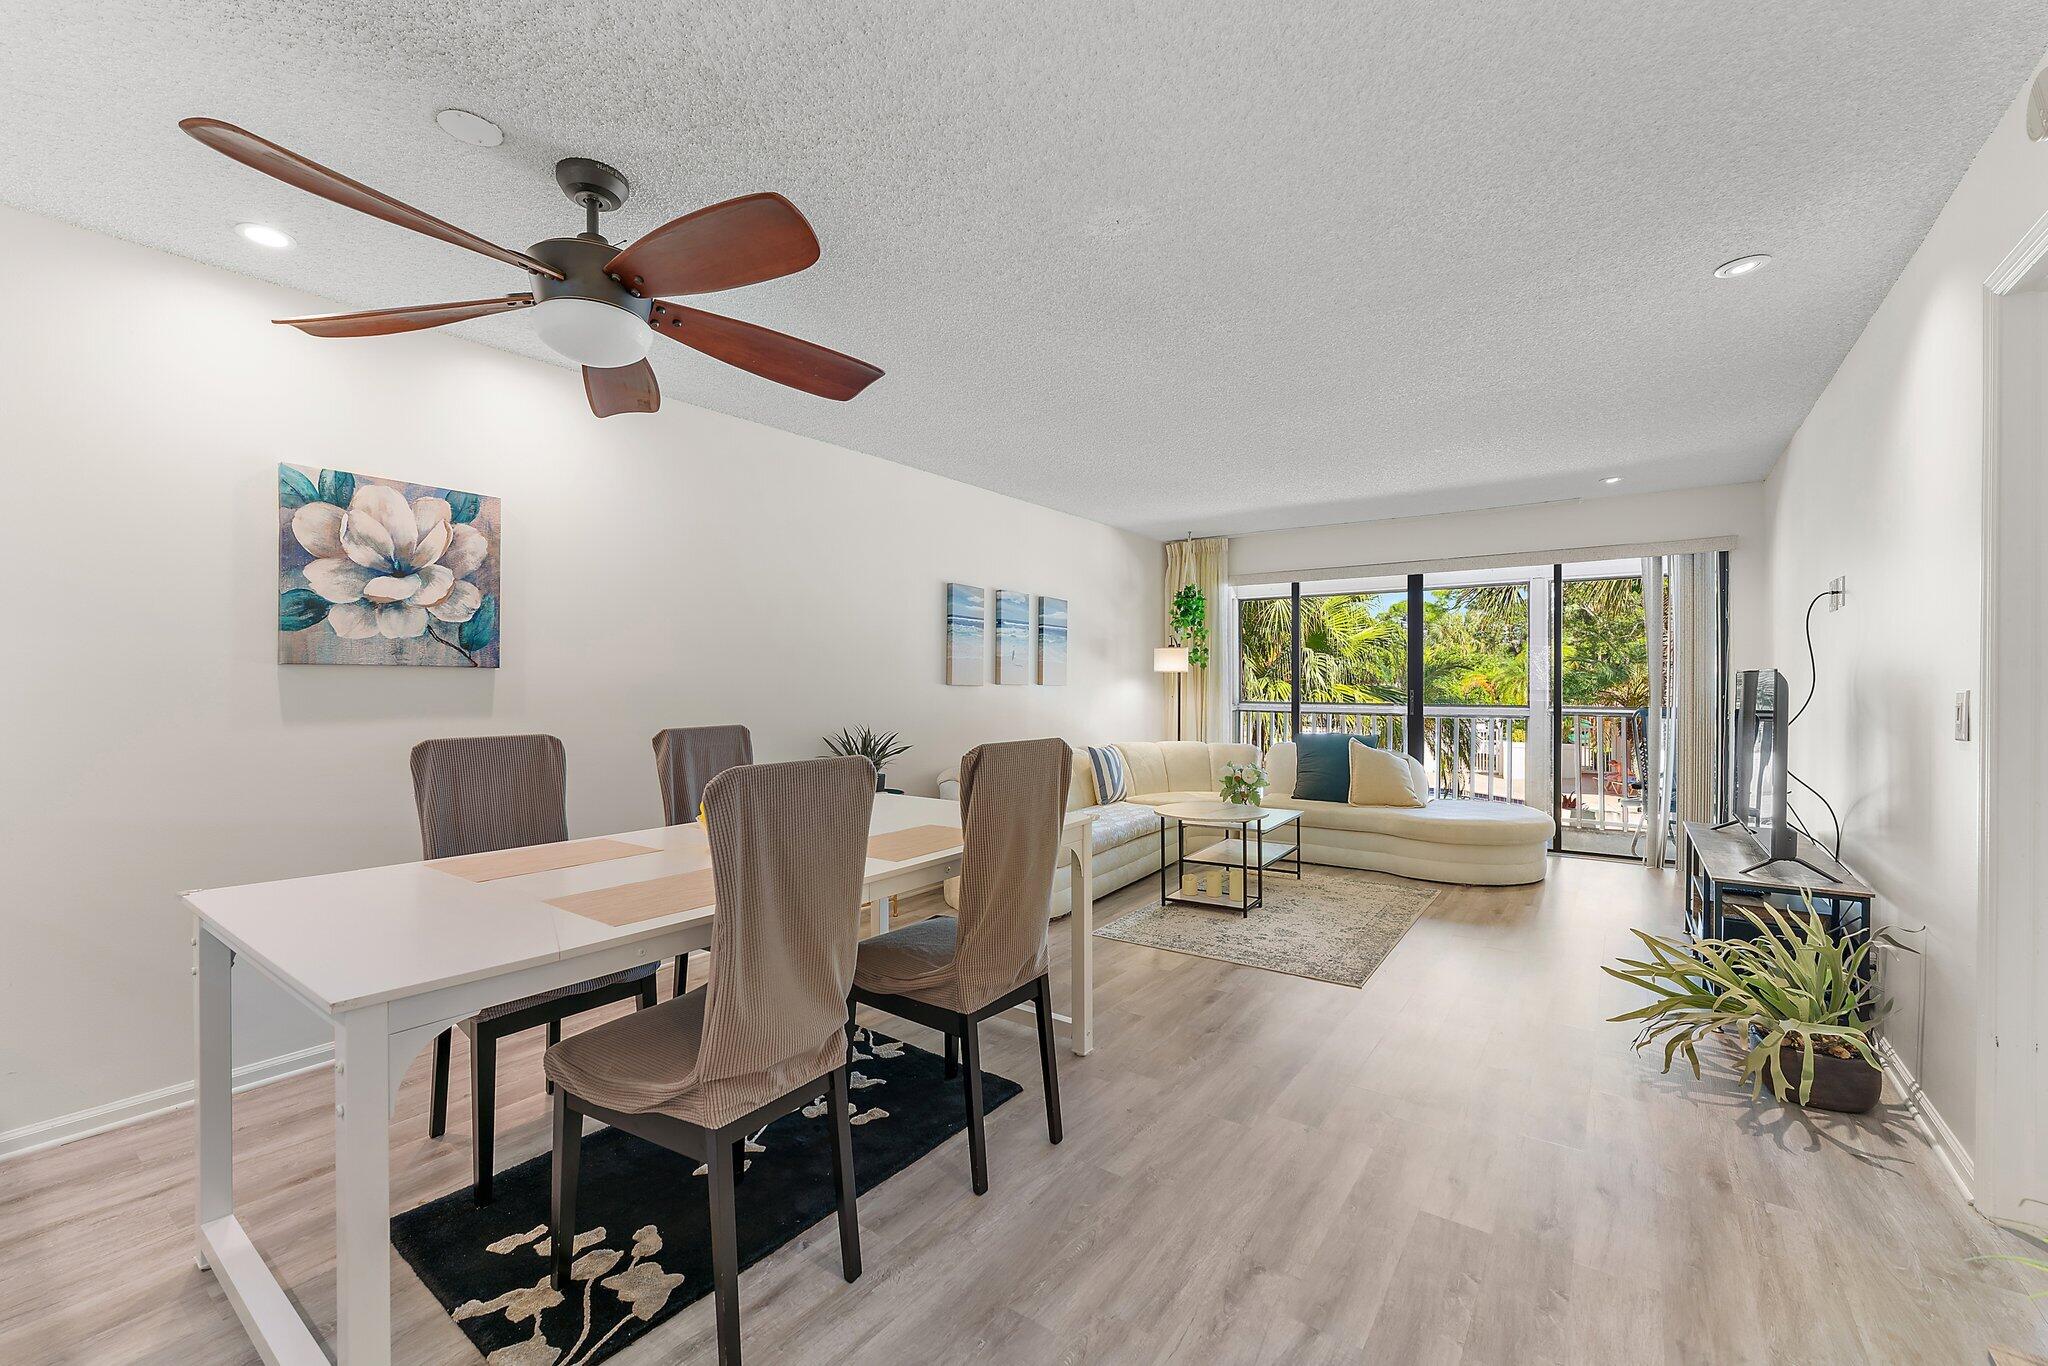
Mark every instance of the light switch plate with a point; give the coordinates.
(1839, 589)
(1962, 716)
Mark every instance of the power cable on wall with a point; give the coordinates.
(1812, 666)
(1813, 686)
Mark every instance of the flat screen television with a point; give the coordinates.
(1757, 796)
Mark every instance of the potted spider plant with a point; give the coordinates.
(876, 748)
(1797, 992)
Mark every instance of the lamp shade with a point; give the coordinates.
(1170, 659)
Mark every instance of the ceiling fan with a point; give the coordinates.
(595, 303)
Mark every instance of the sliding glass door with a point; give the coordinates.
(1526, 685)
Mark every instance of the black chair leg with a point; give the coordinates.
(851, 1029)
(1047, 1064)
(725, 1253)
(977, 1141)
(568, 1135)
(739, 1159)
(682, 973)
(437, 1109)
(483, 1101)
(842, 1174)
(554, 1037)
(952, 1056)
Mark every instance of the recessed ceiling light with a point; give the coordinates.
(474, 129)
(1741, 265)
(263, 235)
(1612, 479)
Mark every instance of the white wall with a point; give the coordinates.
(665, 570)
(1538, 533)
(1883, 484)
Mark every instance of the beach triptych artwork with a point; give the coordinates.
(1013, 636)
(1015, 659)
(1052, 640)
(966, 634)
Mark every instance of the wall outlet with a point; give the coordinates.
(1838, 589)
(1962, 716)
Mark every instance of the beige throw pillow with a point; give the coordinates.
(1382, 777)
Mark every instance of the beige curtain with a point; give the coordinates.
(1696, 633)
(1203, 563)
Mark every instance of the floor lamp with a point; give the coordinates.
(1173, 659)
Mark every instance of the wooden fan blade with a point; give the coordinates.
(740, 242)
(311, 176)
(626, 389)
(382, 322)
(771, 355)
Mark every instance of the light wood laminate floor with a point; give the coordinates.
(1460, 1163)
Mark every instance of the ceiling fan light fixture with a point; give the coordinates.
(263, 235)
(592, 333)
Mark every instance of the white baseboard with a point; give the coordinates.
(113, 1115)
(1954, 1157)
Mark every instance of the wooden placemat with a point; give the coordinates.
(536, 858)
(638, 901)
(917, 841)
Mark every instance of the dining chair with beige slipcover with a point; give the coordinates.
(949, 973)
(477, 794)
(701, 1071)
(685, 759)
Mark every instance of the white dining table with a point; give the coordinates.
(392, 956)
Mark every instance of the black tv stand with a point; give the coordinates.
(1720, 861)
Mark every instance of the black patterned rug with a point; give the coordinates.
(644, 1246)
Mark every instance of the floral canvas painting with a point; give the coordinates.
(1013, 636)
(379, 571)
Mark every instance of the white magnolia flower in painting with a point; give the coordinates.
(390, 568)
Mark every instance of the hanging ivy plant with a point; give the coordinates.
(1190, 620)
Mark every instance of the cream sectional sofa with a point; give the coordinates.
(1450, 840)
(1464, 840)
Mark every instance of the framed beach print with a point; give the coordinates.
(966, 635)
(1013, 636)
(382, 571)
(1052, 641)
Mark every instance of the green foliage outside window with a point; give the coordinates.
(1475, 646)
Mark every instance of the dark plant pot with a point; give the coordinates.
(881, 781)
(1850, 1086)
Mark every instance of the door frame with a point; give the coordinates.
(2012, 740)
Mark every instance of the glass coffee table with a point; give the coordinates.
(1235, 868)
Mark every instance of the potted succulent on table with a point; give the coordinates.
(875, 748)
(1797, 992)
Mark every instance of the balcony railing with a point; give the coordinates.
(1469, 751)
(1601, 776)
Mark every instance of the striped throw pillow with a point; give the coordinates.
(1112, 779)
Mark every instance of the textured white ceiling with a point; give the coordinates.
(1217, 267)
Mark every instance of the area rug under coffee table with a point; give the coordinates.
(644, 1249)
(1333, 925)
